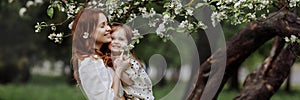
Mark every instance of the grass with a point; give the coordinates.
(279, 95)
(55, 88)
(41, 88)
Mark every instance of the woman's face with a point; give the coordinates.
(102, 31)
(119, 41)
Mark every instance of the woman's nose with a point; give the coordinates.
(108, 28)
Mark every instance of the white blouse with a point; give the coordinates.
(96, 79)
(142, 86)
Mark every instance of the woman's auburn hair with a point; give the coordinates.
(86, 21)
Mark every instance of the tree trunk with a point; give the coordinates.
(239, 48)
(263, 84)
(288, 83)
(234, 81)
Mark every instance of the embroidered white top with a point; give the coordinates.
(96, 79)
(142, 86)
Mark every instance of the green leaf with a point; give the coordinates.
(165, 39)
(58, 6)
(213, 8)
(167, 4)
(180, 30)
(200, 5)
(50, 11)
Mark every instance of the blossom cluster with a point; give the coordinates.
(162, 18)
(292, 39)
(243, 11)
(239, 11)
(126, 12)
(57, 38)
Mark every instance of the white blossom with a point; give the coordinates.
(160, 29)
(85, 35)
(132, 17)
(287, 39)
(56, 40)
(125, 9)
(152, 23)
(131, 46)
(143, 10)
(70, 25)
(250, 6)
(293, 3)
(152, 12)
(166, 17)
(202, 25)
(38, 27)
(29, 3)
(263, 16)
(135, 32)
(189, 12)
(182, 24)
(237, 4)
(59, 35)
(10, 1)
(214, 18)
(293, 38)
(38, 1)
(94, 2)
(22, 11)
(52, 36)
(100, 4)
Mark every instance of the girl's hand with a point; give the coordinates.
(121, 64)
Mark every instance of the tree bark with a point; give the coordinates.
(263, 84)
(249, 39)
(234, 81)
(288, 83)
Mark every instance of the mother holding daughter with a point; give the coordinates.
(91, 35)
(94, 71)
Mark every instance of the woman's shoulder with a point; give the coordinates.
(90, 60)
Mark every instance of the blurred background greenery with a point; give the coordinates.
(33, 67)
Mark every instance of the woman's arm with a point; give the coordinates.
(95, 80)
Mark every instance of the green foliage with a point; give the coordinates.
(151, 44)
(50, 11)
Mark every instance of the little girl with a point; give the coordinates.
(136, 84)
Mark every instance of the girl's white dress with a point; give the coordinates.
(142, 86)
(96, 79)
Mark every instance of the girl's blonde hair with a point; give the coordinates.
(128, 33)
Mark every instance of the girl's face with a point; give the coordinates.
(119, 41)
(102, 31)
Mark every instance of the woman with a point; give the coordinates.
(91, 35)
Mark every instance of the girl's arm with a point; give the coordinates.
(120, 66)
(123, 76)
(116, 85)
(126, 80)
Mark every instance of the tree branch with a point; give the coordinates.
(262, 88)
(240, 46)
